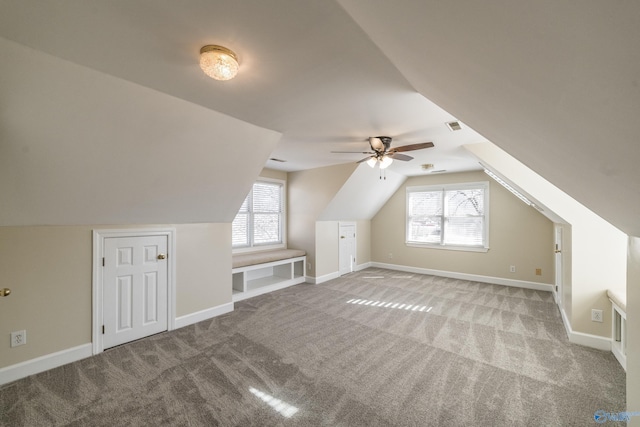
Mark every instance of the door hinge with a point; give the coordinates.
(556, 288)
(103, 261)
(102, 329)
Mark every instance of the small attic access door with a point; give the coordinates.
(347, 248)
(133, 289)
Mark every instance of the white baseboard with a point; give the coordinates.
(199, 316)
(587, 340)
(362, 266)
(322, 279)
(336, 274)
(465, 276)
(44, 363)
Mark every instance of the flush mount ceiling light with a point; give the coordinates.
(218, 62)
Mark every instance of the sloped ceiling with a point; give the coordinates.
(307, 70)
(362, 195)
(81, 147)
(553, 83)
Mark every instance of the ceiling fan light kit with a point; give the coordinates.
(218, 62)
(383, 155)
(385, 162)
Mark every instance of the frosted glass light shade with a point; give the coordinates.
(372, 162)
(385, 162)
(218, 62)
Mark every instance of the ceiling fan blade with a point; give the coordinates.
(412, 147)
(354, 152)
(398, 156)
(365, 159)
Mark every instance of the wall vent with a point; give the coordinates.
(454, 126)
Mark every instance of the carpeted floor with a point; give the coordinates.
(438, 352)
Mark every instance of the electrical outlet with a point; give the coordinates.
(18, 338)
(390, 255)
(512, 269)
(308, 266)
(596, 315)
(538, 272)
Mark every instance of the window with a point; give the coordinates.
(453, 216)
(260, 218)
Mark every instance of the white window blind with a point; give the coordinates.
(266, 213)
(451, 215)
(240, 226)
(259, 220)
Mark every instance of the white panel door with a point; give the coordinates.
(347, 248)
(134, 288)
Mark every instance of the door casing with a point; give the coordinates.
(559, 263)
(340, 249)
(97, 277)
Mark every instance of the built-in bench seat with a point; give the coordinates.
(253, 258)
(619, 325)
(257, 273)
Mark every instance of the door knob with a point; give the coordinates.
(161, 256)
(558, 251)
(5, 292)
(342, 237)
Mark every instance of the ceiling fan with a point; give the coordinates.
(383, 154)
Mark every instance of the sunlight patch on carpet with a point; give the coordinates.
(281, 407)
(384, 304)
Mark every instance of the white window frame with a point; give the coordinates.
(449, 187)
(251, 247)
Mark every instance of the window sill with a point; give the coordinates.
(448, 247)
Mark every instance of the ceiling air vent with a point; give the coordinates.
(277, 160)
(439, 171)
(453, 126)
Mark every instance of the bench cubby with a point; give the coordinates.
(256, 279)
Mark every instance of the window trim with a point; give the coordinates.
(283, 218)
(485, 185)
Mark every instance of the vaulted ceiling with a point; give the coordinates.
(553, 84)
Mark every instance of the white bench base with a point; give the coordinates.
(618, 326)
(253, 280)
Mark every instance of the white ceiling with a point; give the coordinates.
(555, 85)
(307, 71)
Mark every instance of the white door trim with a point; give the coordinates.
(558, 260)
(355, 246)
(97, 285)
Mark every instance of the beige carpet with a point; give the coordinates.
(373, 348)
